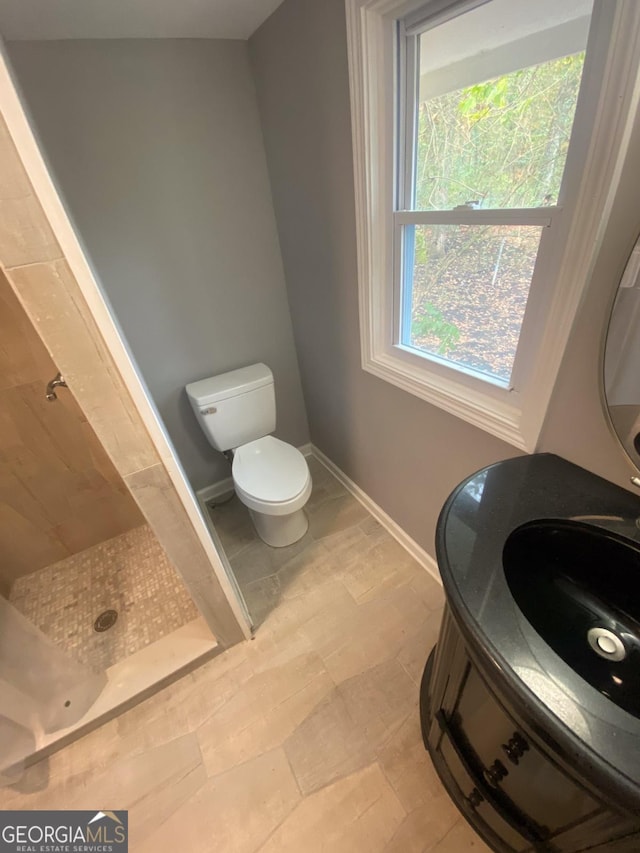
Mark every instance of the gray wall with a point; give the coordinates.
(406, 454)
(158, 152)
(577, 425)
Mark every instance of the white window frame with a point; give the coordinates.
(608, 103)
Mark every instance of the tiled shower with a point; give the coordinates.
(85, 580)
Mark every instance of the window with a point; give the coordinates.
(487, 135)
(494, 144)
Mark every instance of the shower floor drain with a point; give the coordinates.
(105, 620)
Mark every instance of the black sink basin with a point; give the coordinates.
(579, 587)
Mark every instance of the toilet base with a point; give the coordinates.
(280, 530)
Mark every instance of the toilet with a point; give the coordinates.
(237, 412)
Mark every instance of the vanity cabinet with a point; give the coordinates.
(518, 793)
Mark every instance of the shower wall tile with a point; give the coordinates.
(25, 234)
(59, 492)
(25, 546)
(23, 356)
(159, 502)
(96, 521)
(56, 307)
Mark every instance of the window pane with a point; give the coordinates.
(501, 143)
(466, 291)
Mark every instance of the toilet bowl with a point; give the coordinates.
(236, 411)
(273, 481)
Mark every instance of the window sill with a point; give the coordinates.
(489, 407)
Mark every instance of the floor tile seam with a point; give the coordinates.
(237, 733)
(398, 830)
(383, 770)
(379, 798)
(324, 673)
(432, 846)
(330, 658)
(211, 777)
(316, 506)
(199, 745)
(321, 482)
(303, 627)
(369, 761)
(166, 815)
(313, 512)
(262, 844)
(347, 590)
(430, 608)
(281, 703)
(303, 796)
(395, 592)
(321, 540)
(293, 595)
(258, 580)
(289, 585)
(383, 592)
(377, 599)
(217, 709)
(361, 554)
(233, 736)
(245, 547)
(149, 796)
(413, 680)
(300, 554)
(378, 748)
(396, 727)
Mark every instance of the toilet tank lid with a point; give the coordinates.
(229, 384)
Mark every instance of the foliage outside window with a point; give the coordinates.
(498, 144)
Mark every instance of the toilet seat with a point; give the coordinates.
(271, 476)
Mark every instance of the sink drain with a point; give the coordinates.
(606, 644)
(105, 621)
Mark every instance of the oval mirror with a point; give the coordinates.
(622, 359)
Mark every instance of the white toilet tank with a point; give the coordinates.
(235, 408)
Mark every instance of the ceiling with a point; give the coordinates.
(100, 19)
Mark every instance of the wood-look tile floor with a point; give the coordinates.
(306, 738)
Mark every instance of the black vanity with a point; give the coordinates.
(533, 721)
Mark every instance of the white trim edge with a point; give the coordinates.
(215, 490)
(410, 545)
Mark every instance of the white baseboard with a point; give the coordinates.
(223, 487)
(409, 544)
(215, 490)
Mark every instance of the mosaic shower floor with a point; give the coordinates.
(130, 574)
